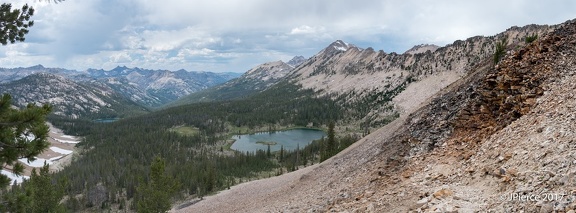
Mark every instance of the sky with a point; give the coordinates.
(234, 35)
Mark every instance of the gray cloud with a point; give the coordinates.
(231, 35)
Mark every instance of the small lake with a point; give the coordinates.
(106, 120)
(290, 139)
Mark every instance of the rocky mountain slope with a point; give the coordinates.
(13, 74)
(254, 80)
(371, 78)
(499, 138)
(371, 82)
(103, 94)
(69, 98)
(154, 88)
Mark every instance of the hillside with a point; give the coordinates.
(69, 98)
(153, 88)
(495, 132)
(370, 83)
(58, 155)
(119, 92)
(253, 81)
(367, 79)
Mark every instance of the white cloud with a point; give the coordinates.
(234, 35)
(121, 57)
(305, 29)
(186, 52)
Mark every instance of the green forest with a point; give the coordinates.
(116, 160)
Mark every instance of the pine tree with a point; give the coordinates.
(281, 153)
(500, 49)
(331, 143)
(322, 151)
(23, 134)
(47, 195)
(297, 155)
(14, 23)
(38, 194)
(155, 195)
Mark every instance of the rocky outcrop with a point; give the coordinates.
(500, 133)
(490, 98)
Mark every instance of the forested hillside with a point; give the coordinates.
(116, 156)
(88, 100)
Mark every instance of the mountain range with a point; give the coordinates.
(370, 79)
(103, 93)
(348, 73)
(254, 80)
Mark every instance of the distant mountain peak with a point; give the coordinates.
(119, 68)
(422, 48)
(39, 66)
(337, 47)
(297, 60)
(340, 45)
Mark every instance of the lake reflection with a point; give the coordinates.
(290, 139)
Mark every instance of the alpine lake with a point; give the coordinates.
(289, 139)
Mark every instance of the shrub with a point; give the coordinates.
(500, 49)
(530, 38)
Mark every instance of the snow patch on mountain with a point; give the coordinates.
(60, 150)
(18, 178)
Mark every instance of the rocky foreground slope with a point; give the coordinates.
(499, 139)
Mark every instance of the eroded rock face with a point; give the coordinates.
(500, 131)
(492, 97)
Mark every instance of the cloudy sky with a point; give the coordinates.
(235, 35)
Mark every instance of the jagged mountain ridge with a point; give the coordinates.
(355, 75)
(370, 78)
(149, 88)
(13, 74)
(494, 132)
(154, 88)
(297, 60)
(254, 80)
(422, 49)
(339, 67)
(69, 98)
